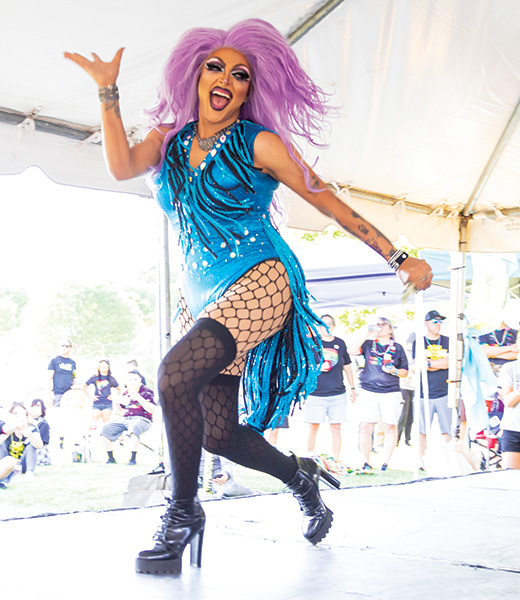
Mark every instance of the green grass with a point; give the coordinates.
(72, 487)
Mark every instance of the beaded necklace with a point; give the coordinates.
(504, 336)
(431, 343)
(386, 351)
(206, 144)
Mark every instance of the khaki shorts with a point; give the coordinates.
(375, 407)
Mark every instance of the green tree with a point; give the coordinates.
(355, 318)
(12, 303)
(92, 317)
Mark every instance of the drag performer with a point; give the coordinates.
(231, 104)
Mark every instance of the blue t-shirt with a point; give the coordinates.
(499, 337)
(64, 373)
(373, 378)
(335, 357)
(437, 380)
(103, 384)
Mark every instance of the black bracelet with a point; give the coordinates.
(397, 259)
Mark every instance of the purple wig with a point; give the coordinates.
(282, 97)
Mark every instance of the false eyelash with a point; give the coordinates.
(241, 75)
(214, 65)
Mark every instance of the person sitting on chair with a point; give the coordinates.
(136, 405)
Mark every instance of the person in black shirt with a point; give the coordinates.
(436, 347)
(328, 402)
(61, 378)
(62, 372)
(380, 397)
(13, 446)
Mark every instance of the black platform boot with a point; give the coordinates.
(317, 518)
(182, 524)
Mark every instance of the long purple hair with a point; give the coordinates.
(282, 97)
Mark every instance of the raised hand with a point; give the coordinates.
(103, 73)
(416, 273)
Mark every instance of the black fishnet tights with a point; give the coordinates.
(224, 435)
(249, 312)
(253, 309)
(193, 362)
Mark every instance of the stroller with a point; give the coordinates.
(488, 439)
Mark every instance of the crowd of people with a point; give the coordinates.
(385, 374)
(377, 375)
(75, 416)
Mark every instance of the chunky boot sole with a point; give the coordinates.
(323, 530)
(158, 567)
(171, 566)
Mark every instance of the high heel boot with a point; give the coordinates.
(317, 518)
(182, 524)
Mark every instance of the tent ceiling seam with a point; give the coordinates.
(68, 129)
(493, 159)
(310, 22)
(392, 201)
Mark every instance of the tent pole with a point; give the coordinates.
(457, 286)
(421, 377)
(163, 292)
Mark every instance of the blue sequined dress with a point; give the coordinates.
(220, 213)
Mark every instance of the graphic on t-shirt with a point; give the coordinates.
(101, 384)
(16, 448)
(65, 366)
(330, 358)
(435, 351)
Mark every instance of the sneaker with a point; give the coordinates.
(131, 461)
(3, 486)
(384, 467)
(367, 467)
(111, 461)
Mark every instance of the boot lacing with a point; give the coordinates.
(310, 505)
(175, 515)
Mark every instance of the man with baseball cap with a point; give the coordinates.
(436, 348)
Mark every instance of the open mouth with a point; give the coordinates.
(219, 98)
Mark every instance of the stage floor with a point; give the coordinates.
(451, 538)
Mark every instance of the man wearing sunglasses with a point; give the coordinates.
(436, 347)
(62, 372)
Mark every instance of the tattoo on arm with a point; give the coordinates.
(314, 182)
(113, 105)
(369, 234)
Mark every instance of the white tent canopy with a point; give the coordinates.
(427, 95)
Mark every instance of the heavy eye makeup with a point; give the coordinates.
(215, 65)
(241, 74)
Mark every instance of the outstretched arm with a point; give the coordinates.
(123, 161)
(273, 158)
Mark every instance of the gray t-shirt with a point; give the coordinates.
(510, 378)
